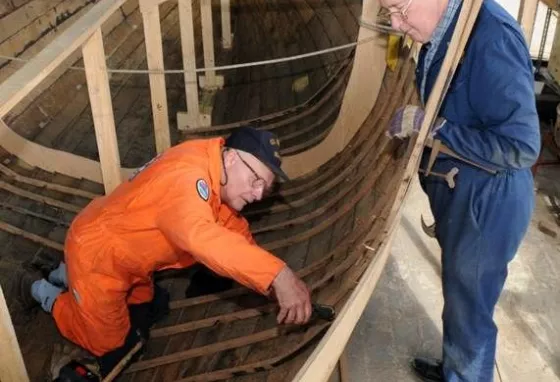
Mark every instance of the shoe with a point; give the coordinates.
(21, 304)
(428, 369)
(45, 262)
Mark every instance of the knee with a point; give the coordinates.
(88, 327)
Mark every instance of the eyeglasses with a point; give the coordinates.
(259, 182)
(401, 11)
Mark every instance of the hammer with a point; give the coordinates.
(449, 177)
(323, 312)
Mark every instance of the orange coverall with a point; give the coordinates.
(159, 219)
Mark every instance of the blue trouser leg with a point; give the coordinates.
(45, 294)
(479, 226)
(59, 276)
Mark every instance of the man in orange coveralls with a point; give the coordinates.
(178, 210)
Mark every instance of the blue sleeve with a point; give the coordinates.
(504, 132)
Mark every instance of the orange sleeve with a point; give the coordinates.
(233, 221)
(187, 220)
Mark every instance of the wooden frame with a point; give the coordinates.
(12, 367)
(526, 17)
(323, 360)
(102, 110)
(209, 80)
(154, 53)
(225, 12)
(193, 117)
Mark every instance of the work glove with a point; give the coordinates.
(408, 120)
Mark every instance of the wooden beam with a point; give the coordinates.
(209, 80)
(359, 99)
(552, 4)
(344, 374)
(52, 160)
(102, 110)
(226, 24)
(189, 60)
(320, 365)
(12, 367)
(193, 117)
(146, 5)
(154, 52)
(20, 84)
(526, 17)
(208, 41)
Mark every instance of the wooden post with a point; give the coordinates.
(12, 367)
(154, 53)
(526, 18)
(102, 110)
(193, 117)
(226, 24)
(209, 80)
(344, 375)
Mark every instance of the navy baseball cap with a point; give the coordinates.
(262, 144)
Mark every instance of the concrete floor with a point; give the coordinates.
(403, 317)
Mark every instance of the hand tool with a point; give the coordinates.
(449, 177)
(323, 312)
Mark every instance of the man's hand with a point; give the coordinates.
(293, 297)
(408, 120)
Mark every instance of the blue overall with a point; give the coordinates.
(491, 120)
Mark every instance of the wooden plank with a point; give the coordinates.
(47, 185)
(49, 159)
(359, 98)
(16, 87)
(21, 17)
(209, 80)
(19, 3)
(37, 197)
(551, 4)
(154, 52)
(57, 105)
(102, 110)
(44, 25)
(5, 8)
(74, 59)
(36, 29)
(12, 368)
(554, 60)
(526, 17)
(189, 60)
(343, 367)
(129, 7)
(31, 236)
(146, 5)
(226, 24)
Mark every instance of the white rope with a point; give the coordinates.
(376, 27)
(379, 27)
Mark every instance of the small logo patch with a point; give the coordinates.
(202, 189)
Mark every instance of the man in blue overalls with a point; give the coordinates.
(488, 118)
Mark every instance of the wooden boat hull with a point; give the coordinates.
(332, 223)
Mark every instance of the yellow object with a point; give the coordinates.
(393, 44)
(300, 84)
